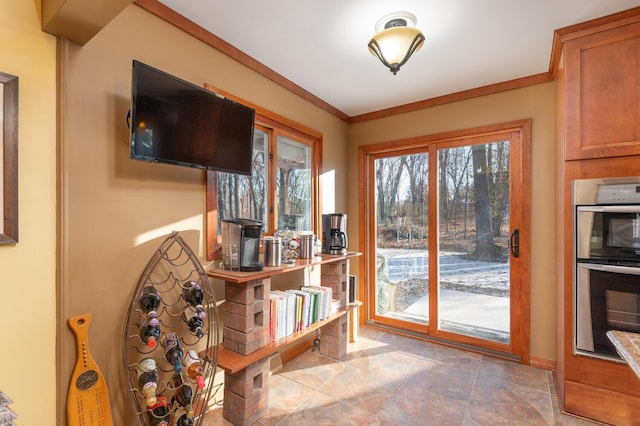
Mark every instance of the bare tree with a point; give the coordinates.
(416, 166)
(499, 187)
(443, 190)
(257, 185)
(380, 193)
(454, 166)
(485, 248)
(388, 175)
(242, 196)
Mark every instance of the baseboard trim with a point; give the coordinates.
(545, 364)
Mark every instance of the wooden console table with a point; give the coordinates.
(247, 348)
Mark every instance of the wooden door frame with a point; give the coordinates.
(520, 130)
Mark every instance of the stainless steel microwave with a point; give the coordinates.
(608, 234)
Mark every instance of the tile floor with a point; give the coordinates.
(391, 380)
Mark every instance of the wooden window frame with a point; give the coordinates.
(276, 125)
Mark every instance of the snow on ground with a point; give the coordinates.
(473, 294)
(456, 272)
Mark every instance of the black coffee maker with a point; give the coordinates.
(241, 244)
(334, 233)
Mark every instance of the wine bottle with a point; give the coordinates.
(159, 413)
(148, 380)
(183, 393)
(149, 300)
(173, 351)
(195, 370)
(149, 333)
(181, 418)
(193, 295)
(194, 322)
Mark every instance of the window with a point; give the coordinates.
(293, 184)
(282, 191)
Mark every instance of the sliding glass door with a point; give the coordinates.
(443, 238)
(473, 240)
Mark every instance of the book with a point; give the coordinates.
(306, 308)
(316, 300)
(297, 318)
(273, 312)
(288, 313)
(278, 317)
(324, 297)
(335, 305)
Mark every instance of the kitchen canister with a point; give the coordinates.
(272, 251)
(307, 246)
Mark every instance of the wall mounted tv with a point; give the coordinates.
(176, 122)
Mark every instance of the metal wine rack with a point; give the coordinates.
(171, 267)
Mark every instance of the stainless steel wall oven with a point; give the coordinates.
(607, 262)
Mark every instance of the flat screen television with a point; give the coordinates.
(176, 122)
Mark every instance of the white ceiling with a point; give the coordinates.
(322, 45)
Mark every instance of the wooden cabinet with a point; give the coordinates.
(598, 136)
(246, 344)
(602, 89)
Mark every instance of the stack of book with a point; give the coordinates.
(295, 310)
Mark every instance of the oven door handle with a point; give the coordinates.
(610, 268)
(609, 209)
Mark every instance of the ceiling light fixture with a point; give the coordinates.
(396, 39)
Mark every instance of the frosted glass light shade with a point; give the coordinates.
(395, 45)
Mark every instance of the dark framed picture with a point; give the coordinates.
(9, 159)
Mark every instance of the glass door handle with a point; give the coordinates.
(514, 243)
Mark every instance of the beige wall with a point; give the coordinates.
(537, 103)
(116, 210)
(27, 269)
